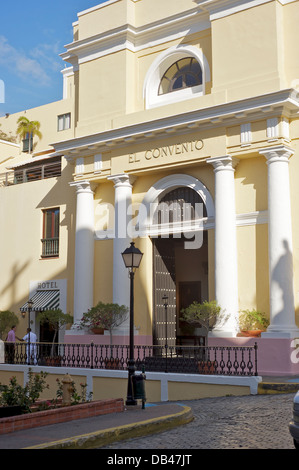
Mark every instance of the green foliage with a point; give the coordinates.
(253, 320)
(76, 397)
(7, 320)
(26, 127)
(202, 314)
(56, 318)
(107, 316)
(16, 395)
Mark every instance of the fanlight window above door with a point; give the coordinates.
(179, 206)
(184, 73)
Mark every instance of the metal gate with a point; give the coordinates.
(176, 206)
(164, 283)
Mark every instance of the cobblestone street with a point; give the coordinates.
(251, 422)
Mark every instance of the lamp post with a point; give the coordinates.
(30, 305)
(165, 300)
(132, 259)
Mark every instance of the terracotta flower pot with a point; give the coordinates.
(251, 333)
(97, 331)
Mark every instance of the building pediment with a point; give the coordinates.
(285, 102)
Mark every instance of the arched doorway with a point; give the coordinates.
(180, 264)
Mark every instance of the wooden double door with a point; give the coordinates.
(171, 279)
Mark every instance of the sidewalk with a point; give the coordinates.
(101, 430)
(133, 422)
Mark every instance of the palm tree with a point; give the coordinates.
(28, 129)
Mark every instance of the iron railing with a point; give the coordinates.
(50, 247)
(219, 360)
(32, 173)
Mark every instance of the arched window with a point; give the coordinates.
(178, 73)
(178, 206)
(184, 73)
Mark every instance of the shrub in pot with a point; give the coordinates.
(252, 322)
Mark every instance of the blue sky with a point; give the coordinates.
(32, 35)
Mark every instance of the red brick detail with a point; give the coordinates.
(59, 415)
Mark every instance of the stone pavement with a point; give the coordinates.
(244, 422)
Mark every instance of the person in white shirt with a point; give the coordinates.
(31, 339)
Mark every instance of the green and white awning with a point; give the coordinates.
(43, 300)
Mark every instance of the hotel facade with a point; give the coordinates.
(178, 129)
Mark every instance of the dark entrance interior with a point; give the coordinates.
(47, 333)
(181, 274)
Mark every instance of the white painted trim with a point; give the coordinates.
(252, 218)
(246, 135)
(151, 199)
(165, 379)
(221, 8)
(187, 122)
(135, 39)
(9, 143)
(97, 7)
(159, 67)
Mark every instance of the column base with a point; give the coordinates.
(221, 334)
(288, 334)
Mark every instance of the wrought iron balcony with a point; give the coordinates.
(50, 247)
(213, 360)
(30, 173)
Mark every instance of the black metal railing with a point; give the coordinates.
(31, 173)
(50, 247)
(216, 360)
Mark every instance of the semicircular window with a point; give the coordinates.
(185, 73)
(179, 205)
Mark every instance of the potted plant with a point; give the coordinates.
(205, 315)
(202, 314)
(57, 320)
(252, 323)
(107, 317)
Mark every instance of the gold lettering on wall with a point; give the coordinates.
(167, 151)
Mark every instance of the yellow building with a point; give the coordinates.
(179, 130)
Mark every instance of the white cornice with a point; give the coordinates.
(221, 8)
(284, 102)
(7, 142)
(97, 7)
(135, 39)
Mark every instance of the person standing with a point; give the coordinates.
(10, 345)
(31, 340)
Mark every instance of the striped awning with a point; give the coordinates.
(43, 300)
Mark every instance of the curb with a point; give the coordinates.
(265, 388)
(105, 437)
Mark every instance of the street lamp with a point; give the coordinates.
(132, 259)
(165, 300)
(29, 309)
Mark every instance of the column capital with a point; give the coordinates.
(122, 179)
(225, 162)
(279, 153)
(84, 186)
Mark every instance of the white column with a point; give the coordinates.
(282, 305)
(123, 200)
(84, 249)
(226, 272)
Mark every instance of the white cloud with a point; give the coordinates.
(27, 67)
